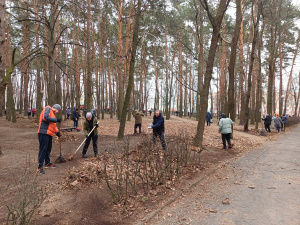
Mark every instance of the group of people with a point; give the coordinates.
(279, 122)
(47, 129)
(31, 112)
(158, 126)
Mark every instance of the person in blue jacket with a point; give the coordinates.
(159, 129)
(208, 118)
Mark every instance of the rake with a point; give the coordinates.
(60, 159)
(71, 157)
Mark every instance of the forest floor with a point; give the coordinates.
(92, 203)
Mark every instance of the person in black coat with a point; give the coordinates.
(268, 121)
(159, 129)
(76, 116)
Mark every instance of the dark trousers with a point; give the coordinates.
(207, 123)
(76, 123)
(140, 128)
(45, 149)
(267, 127)
(226, 137)
(87, 143)
(161, 136)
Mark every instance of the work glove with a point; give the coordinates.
(58, 120)
(58, 134)
(97, 125)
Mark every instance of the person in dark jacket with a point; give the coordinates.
(76, 116)
(208, 118)
(89, 123)
(284, 119)
(68, 113)
(159, 129)
(47, 129)
(268, 121)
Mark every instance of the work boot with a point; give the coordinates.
(84, 156)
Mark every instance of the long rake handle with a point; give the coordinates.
(71, 157)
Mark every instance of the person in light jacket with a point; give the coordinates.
(277, 123)
(225, 128)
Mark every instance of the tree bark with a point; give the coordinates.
(231, 89)
(216, 24)
(256, 25)
(131, 71)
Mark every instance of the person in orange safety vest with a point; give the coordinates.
(47, 129)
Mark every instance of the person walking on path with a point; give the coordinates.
(75, 118)
(284, 119)
(268, 122)
(29, 112)
(159, 129)
(33, 111)
(89, 123)
(68, 113)
(138, 121)
(225, 128)
(208, 118)
(47, 129)
(277, 123)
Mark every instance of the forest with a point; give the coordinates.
(113, 57)
(236, 57)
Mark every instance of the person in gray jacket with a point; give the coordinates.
(277, 123)
(225, 128)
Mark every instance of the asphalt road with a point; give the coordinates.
(260, 188)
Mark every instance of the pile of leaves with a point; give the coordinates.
(137, 171)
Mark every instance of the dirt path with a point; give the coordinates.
(262, 187)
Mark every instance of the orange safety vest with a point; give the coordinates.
(47, 124)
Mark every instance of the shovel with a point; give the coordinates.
(71, 157)
(60, 159)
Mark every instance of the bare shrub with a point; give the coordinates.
(27, 196)
(147, 167)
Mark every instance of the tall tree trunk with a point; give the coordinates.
(39, 91)
(89, 83)
(51, 53)
(272, 48)
(231, 89)
(216, 24)
(241, 74)
(167, 74)
(25, 30)
(120, 52)
(259, 79)
(287, 93)
(131, 71)
(253, 49)
(180, 77)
